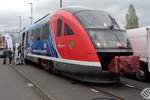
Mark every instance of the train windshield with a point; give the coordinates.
(96, 19)
(103, 29)
(109, 38)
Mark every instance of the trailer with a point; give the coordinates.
(2, 45)
(5, 42)
(8, 41)
(140, 42)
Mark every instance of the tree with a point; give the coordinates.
(131, 18)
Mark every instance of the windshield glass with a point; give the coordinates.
(108, 38)
(96, 19)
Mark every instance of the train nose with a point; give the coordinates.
(116, 62)
(113, 65)
(110, 59)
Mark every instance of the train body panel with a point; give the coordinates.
(72, 42)
(74, 46)
(41, 44)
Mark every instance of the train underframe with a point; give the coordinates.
(94, 74)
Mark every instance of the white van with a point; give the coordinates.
(140, 42)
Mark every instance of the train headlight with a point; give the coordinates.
(98, 44)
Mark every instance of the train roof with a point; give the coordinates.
(75, 9)
(71, 9)
(37, 23)
(44, 17)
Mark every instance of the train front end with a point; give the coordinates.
(109, 41)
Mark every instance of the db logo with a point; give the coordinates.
(146, 93)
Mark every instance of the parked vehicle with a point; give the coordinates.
(77, 42)
(140, 42)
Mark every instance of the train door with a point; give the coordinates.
(24, 42)
(73, 41)
(73, 45)
(70, 43)
(58, 36)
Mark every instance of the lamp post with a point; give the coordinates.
(60, 3)
(31, 17)
(20, 23)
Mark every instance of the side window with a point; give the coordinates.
(67, 30)
(33, 35)
(45, 30)
(59, 27)
(36, 34)
(30, 35)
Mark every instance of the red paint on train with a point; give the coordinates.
(74, 47)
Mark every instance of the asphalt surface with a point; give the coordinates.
(61, 88)
(58, 87)
(130, 89)
(134, 83)
(14, 87)
(16, 84)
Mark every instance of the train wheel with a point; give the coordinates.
(122, 72)
(45, 64)
(50, 66)
(55, 71)
(142, 74)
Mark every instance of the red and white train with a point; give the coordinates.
(78, 42)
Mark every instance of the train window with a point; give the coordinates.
(45, 31)
(67, 30)
(59, 27)
(36, 33)
(96, 19)
(30, 32)
(33, 35)
(30, 35)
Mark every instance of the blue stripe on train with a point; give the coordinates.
(43, 47)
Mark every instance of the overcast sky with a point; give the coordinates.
(10, 10)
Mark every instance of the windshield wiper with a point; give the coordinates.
(113, 22)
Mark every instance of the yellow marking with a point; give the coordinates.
(71, 44)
